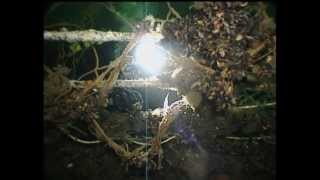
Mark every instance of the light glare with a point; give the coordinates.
(149, 56)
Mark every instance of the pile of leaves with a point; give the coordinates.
(235, 39)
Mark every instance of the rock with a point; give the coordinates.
(193, 98)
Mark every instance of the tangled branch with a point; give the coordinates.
(122, 152)
(76, 139)
(173, 11)
(97, 61)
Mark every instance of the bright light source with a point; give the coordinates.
(150, 56)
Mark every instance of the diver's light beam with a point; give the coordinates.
(149, 56)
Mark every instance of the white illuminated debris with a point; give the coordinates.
(148, 55)
(165, 103)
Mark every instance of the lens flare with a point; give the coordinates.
(149, 56)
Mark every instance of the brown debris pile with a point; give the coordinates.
(59, 96)
(228, 38)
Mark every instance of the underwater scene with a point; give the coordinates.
(159, 90)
